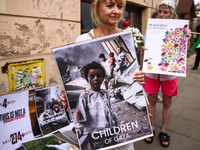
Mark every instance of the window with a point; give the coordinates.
(86, 22)
(134, 14)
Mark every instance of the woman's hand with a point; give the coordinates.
(63, 99)
(143, 48)
(188, 34)
(139, 77)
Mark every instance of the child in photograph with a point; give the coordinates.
(112, 61)
(105, 64)
(94, 112)
(121, 59)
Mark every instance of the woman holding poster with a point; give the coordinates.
(106, 14)
(168, 83)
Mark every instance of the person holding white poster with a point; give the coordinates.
(168, 83)
(106, 14)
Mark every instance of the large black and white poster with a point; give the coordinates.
(116, 114)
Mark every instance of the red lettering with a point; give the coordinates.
(9, 102)
(20, 116)
(28, 132)
(6, 141)
(8, 120)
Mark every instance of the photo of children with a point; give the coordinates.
(94, 111)
(109, 110)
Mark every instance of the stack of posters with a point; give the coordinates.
(166, 42)
(49, 115)
(116, 114)
(28, 115)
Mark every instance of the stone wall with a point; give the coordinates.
(29, 29)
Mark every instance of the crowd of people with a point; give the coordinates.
(106, 14)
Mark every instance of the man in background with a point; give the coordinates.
(197, 59)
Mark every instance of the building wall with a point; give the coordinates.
(30, 28)
(148, 7)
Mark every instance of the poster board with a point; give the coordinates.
(26, 75)
(14, 120)
(19, 120)
(166, 44)
(125, 99)
(51, 114)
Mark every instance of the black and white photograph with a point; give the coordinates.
(108, 106)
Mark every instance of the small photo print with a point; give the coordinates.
(49, 143)
(51, 114)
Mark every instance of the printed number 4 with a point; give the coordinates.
(5, 103)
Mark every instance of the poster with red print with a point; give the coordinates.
(14, 120)
(166, 42)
